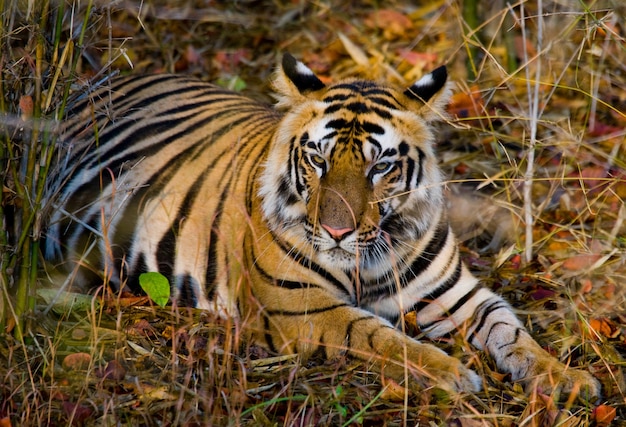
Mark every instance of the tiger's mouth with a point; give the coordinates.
(353, 249)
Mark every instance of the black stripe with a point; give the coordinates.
(338, 124)
(450, 312)
(133, 109)
(268, 336)
(384, 102)
(426, 257)
(370, 337)
(186, 295)
(336, 97)
(210, 274)
(486, 311)
(441, 289)
(156, 126)
(286, 284)
(309, 264)
(166, 248)
(420, 171)
(410, 170)
(305, 312)
(515, 338)
(352, 324)
(133, 279)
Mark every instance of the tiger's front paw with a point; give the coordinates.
(428, 366)
(456, 377)
(557, 378)
(540, 371)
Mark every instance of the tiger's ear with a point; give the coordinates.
(294, 80)
(433, 94)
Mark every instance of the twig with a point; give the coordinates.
(533, 109)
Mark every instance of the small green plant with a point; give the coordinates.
(156, 286)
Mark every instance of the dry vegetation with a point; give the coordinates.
(535, 155)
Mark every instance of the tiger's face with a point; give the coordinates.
(351, 173)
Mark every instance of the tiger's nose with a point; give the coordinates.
(337, 233)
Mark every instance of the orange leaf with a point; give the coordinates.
(393, 23)
(467, 105)
(580, 262)
(415, 58)
(524, 46)
(603, 415)
(587, 286)
(26, 106)
(602, 326)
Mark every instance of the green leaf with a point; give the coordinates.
(156, 286)
(234, 83)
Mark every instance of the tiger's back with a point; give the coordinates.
(167, 156)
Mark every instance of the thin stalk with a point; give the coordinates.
(509, 42)
(29, 182)
(4, 139)
(75, 57)
(470, 16)
(534, 112)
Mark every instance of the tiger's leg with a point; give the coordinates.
(494, 327)
(343, 329)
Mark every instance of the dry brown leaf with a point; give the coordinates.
(76, 362)
(112, 371)
(580, 262)
(355, 52)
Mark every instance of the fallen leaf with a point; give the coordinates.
(76, 412)
(603, 326)
(112, 371)
(76, 362)
(542, 293)
(393, 23)
(603, 415)
(26, 107)
(469, 107)
(356, 53)
(418, 58)
(580, 262)
(141, 328)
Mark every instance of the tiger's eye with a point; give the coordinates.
(382, 166)
(318, 160)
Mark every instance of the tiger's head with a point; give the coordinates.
(351, 177)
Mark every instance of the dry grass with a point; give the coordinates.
(537, 150)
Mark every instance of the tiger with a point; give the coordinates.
(321, 219)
